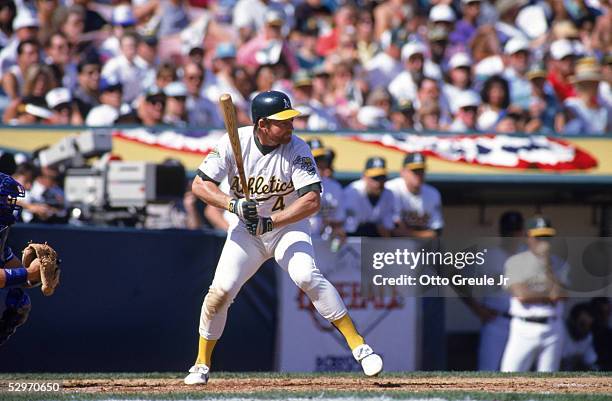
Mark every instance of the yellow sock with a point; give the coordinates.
(347, 328)
(205, 349)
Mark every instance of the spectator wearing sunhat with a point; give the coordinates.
(459, 79)
(404, 86)
(417, 208)
(25, 27)
(176, 109)
(544, 107)
(402, 116)
(111, 105)
(149, 110)
(517, 54)
(386, 65)
(438, 41)
(329, 221)
(63, 110)
(535, 280)
(466, 116)
(122, 20)
(368, 202)
(585, 114)
(443, 15)
(562, 65)
(317, 117)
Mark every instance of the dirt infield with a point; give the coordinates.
(515, 384)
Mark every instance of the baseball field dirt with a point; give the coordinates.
(518, 384)
(446, 386)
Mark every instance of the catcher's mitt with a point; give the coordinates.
(49, 269)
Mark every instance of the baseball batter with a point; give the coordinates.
(285, 188)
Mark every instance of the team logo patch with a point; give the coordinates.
(305, 163)
(213, 154)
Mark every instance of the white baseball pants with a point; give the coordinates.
(244, 253)
(529, 343)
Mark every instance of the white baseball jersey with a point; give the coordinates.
(526, 267)
(273, 178)
(422, 210)
(359, 209)
(332, 206)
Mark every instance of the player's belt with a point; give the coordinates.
(541, 320)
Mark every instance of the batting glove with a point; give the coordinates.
(243, 208)
(260, 225)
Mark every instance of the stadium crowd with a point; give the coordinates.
(451, 65)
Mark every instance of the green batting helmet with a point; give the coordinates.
(273, 105)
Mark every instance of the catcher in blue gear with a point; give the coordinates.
(38, 265)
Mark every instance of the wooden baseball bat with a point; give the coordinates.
(229, 116)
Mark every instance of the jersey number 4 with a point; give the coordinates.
(279, 204)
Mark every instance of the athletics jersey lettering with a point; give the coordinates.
(259, 186)
(279, 173)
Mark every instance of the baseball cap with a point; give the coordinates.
(565, 29)
(123, 15)
(25, 19)
(274, 17)
(412, 48)
(392, 37)
(470, 1)
(460, 60)
(175, 89)
(225, 50)
(510, 221)
(437, 33)
(109, 83)
(302, 78)
(442, 13)
(536, 70)
(466, 99)
(58, 96)
(540, 226)
(587, 70)
(561, 48)
(153, 93)
(150, 40)
(316, 147)
(371, 116)
(516, 45)
(375, 167)
(414, 161)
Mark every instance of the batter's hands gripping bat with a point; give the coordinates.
(229, 116)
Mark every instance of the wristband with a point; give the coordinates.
(15, 277)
